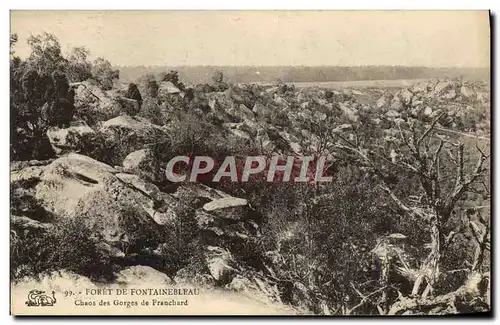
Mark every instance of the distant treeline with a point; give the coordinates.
(247, 74)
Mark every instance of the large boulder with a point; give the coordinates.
(396, 104)
(406, 96)
(129, 106)
(255, 286)
(443, 86)
(90, 99)
(419, 87)
(69, 139)
(121, 210)
(140, 275)
(168, 88)
(128, 134)
(451, 94)
(144, 163)
(261, 110)
(220, 263)
(382, 102)
(350, 112)
(466, 92)
(226, 202)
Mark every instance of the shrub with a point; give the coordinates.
(68, 245)
(182, 245)
(133, 93)
(152, 111)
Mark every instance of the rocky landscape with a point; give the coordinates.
(90, 200)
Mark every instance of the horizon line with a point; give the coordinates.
(302, 66)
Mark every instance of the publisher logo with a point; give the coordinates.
(38, 298)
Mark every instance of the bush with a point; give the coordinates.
(150, 85)
(68, 245)
(152, 111)
(182, 245)
(133, 93)
(24, 203)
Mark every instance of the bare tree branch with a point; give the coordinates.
(429, 129)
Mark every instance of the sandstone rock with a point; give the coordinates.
(227, 202)
(242, 112)
(396, 104)
(142, 275)
(406, 95)
(442, 86)
(466, 92)
(428, 111)
(280, 101)
(90, 98)
(419, 87)
(167, 88)
(260, 109)
(320, 116)
(76, 186)
(129, 134)
(199, 190)
(220, 263)
(450, 94)
(255, 286)
(416, 102)
(296, 147)
(25, 223)
(392, 114)
(240, 134)
(69, 139)
(381, 102)
(264, 140)
(351, 113)
(143, 163)
(482, 97)
(108, 250)
(220, 225)
(240, 283)
(129, 106)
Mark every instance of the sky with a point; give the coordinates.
(267, 38)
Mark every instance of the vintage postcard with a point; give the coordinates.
(326, 163)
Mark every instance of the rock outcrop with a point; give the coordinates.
(76, 186)
(70, 139)
(126, 134)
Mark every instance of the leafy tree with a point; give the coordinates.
(13, 42)
(40, 97)
(46, 55)
(103, 72)
(79, 68)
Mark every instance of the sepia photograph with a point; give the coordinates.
(276, 162)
